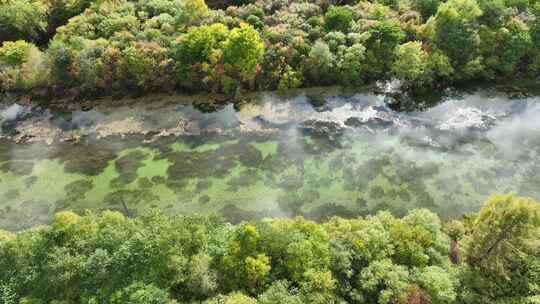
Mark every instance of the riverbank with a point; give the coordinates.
(393, 94)
(34, 120)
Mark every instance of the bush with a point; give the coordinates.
(14, 53)
(145, 65)
(22, 66)
(199, 43)
(22, 19)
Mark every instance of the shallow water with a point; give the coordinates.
(316, 153)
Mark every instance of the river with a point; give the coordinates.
(316, 153)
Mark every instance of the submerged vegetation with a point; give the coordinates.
(298, 156)
(310, 201)
(489, 257)
(104, 47)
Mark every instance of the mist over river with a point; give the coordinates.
(316, 153)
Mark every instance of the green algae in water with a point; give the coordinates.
(283, 174)
(266, 148)
(271, 176)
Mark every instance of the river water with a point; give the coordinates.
(316, 153)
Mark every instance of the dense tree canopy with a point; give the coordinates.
(108, 258)
(103, 47)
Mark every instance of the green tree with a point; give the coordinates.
(97, 66)
(384, 37)
(193, 11)
(502, 243)
(139, 293)
(202, 279)
(256, 270)
(280, 293)
(350, 63)
(290, 79)
(535, 26)
(232, 298)
(411, 64)
(145, 65)
(494, 13)
(60, 11)
(534, 32)
(321, 62)
(158, 258)
(505, 49)
(505, 226)
(14, 52)
(439, 283)
(7, 295)
(244, 260)
(199, 43)
(426, 8)
(384, 281)
(317, 287)
(439, 65)
(6, 235)
(60, 59)
(520, 5)
(243, 50)
(455, 30)
(103, 19)
(239, 298)
(22, 66)
(338, 18)
(22, 19)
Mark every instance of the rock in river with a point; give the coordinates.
(330, 129)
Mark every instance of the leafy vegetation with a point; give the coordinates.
(100, 47)
(489, 257)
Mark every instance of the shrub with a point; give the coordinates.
(14, 53)
(22, 19)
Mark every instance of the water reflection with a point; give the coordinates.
(315, 154)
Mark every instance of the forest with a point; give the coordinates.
(488, 257)
(88, 48)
